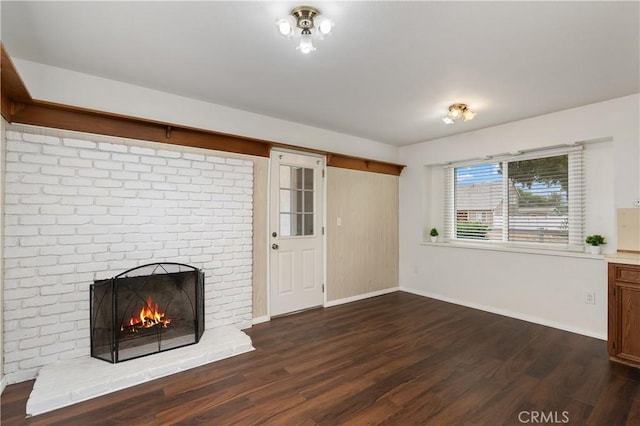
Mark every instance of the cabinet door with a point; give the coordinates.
(628, 345)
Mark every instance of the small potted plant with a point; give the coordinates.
(594, 243)
(434, 235)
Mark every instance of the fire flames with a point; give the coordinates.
(149, 316)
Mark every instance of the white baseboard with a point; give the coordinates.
(265, 318)
(259, 320)
(3, 384)
(507, 313)
(360, 297)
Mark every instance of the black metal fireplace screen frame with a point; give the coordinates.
(107, 312)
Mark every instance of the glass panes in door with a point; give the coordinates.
(296, 201)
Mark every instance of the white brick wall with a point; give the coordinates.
(79, 210)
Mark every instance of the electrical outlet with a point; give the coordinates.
(590, 297)
(636, 203)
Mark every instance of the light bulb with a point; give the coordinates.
(454, 113)
(447, 120)
(306, 45)
(468, 114)
(284, 27)
(324, 25)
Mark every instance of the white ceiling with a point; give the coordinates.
(387, 73)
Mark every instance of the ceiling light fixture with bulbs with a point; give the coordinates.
(458, 111)
(307, 23)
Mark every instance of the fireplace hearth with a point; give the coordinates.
(146, 310)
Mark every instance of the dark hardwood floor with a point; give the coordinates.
(397, 359)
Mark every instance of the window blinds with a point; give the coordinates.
(535, 198)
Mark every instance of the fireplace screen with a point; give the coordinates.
(145, 310)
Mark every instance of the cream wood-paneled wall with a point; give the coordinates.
(260, 253)
(3, 126)
(362, 252)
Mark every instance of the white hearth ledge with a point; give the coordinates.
(68, 382)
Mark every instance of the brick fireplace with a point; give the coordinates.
(79, 207)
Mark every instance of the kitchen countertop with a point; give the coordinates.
(623, 257)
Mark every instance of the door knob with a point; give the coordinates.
(275, 246)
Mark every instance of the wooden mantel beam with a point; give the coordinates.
(19, 107)
(13, 93)
(58, 116)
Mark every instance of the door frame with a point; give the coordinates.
(323, 219)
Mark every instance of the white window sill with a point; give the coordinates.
(511, 249)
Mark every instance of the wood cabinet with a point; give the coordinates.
(624, 313)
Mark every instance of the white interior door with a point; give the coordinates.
(296, 265)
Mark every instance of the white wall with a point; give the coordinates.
(551, 290)
(68, 87)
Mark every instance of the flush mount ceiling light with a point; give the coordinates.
(301, 22)
(458, 111)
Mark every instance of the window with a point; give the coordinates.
(534, 198)
(296, 201)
